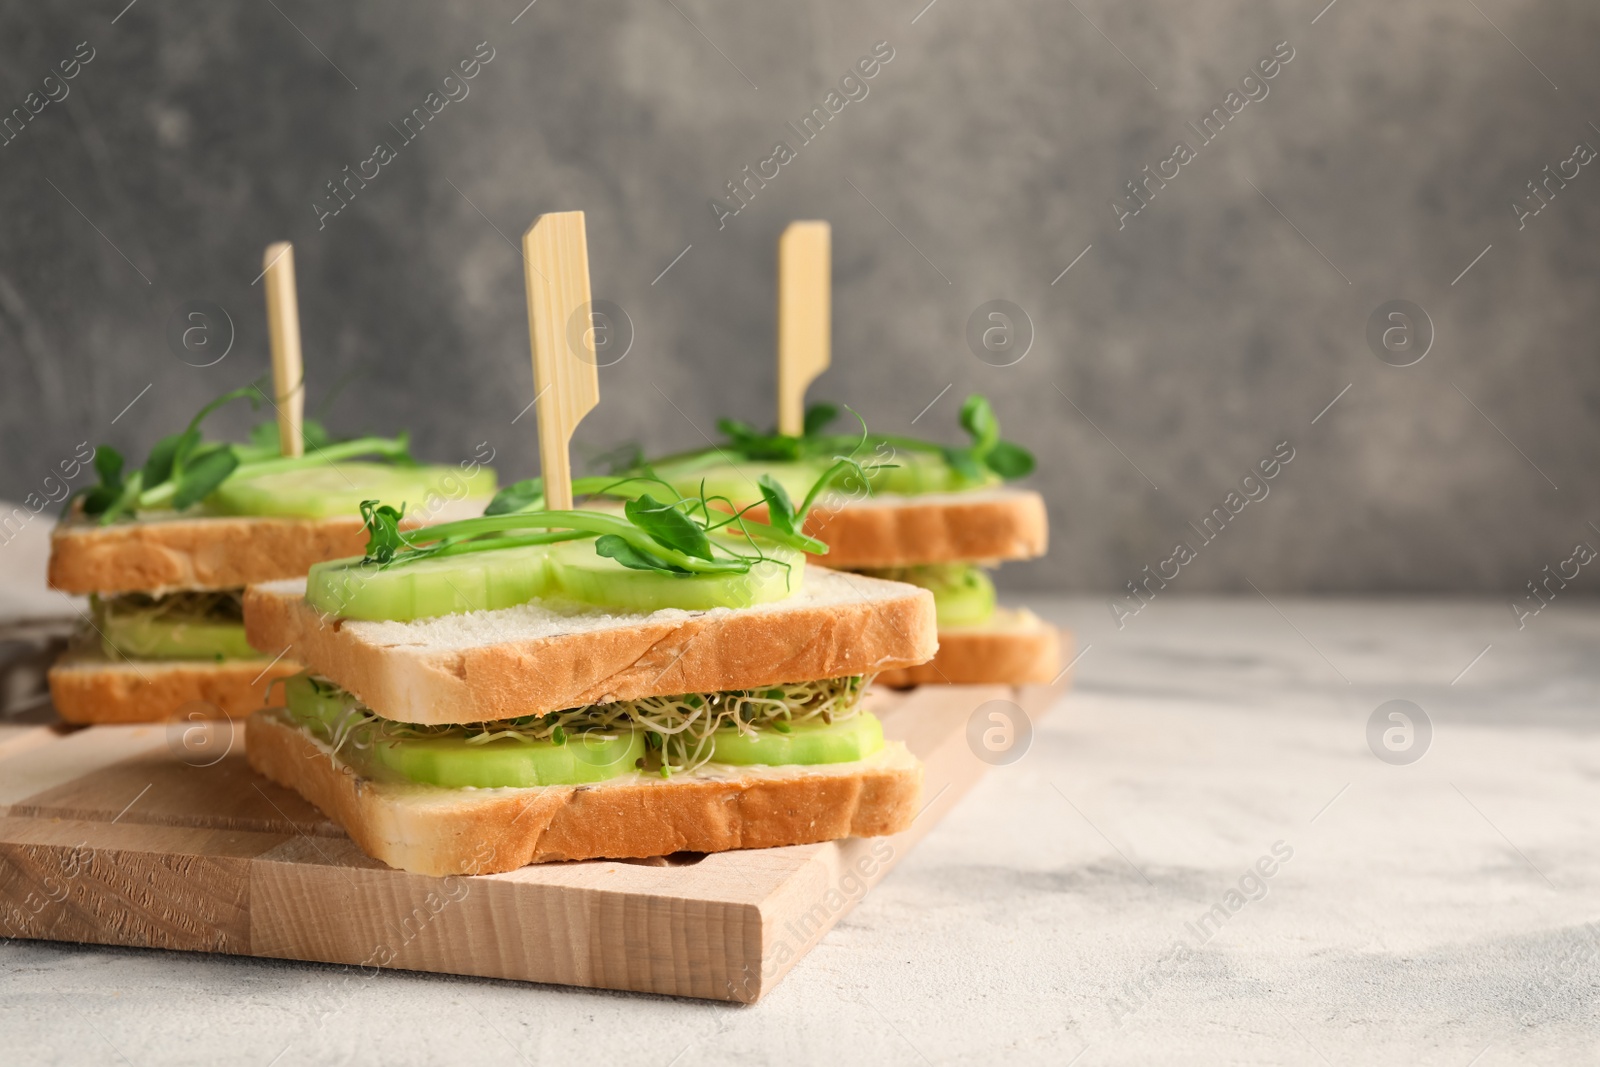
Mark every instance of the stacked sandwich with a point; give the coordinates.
(910, 510)
(914, 511)
(647, 674)
(559, 685)
(164, 553)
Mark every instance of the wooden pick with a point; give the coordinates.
(805, 316)
(555, 259)
(283, 326)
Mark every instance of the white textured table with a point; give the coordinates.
(1429, 913)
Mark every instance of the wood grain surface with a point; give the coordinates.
(131, 835)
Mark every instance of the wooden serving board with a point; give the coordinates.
(115, 835)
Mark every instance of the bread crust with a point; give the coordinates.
(978, 525)
(1023, 650)
(438, 831)
(159, 555)
(884, 626)
(88, 688)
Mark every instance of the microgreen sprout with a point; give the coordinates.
(984, 458)
(668, 534)
(678, 729)
(182, 469)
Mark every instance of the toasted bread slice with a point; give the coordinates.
(1015, 647)
(529, 660)
(165, 553)
(87, 687)
(977, 525)
(434, 830)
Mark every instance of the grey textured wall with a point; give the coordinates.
(1173, 356)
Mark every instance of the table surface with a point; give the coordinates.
(1100, 898)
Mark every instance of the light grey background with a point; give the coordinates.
(982, 162)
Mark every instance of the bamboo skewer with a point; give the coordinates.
(283, 327)
(555, 256)
(805, 316)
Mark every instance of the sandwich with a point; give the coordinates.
(933, 515)
(164, 552)
(644, 675)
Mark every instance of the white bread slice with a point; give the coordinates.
(169, 552)
(891, 530)
(89, 688)
(1015, 647)
(433, 830)
(529, 660)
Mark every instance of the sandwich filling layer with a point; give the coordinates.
(570, 573)
(206, 626)
(910, 474)
(963, 594)
(801, 723)
(338, 490)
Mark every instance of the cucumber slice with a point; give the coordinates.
(970, 603)
(911, 474)
(154, 637)
(592, 756)
(316, 705)
(503, 578)
(963, 594)
(923, 472)
(807, 743)
(739, 482)
(339, 489)
(587, 756)
(445, 585)
(581, 574)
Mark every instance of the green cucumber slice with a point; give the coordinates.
(339, 489)
(911, 473)
(968, 604)
(922, 472)
(963, 594)
(147, 637)
(444, 585)
(453, 762)
(807, 743)
(581, 574)
(503, 578)
(739, 482)
(314, 704)
(450, 760)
